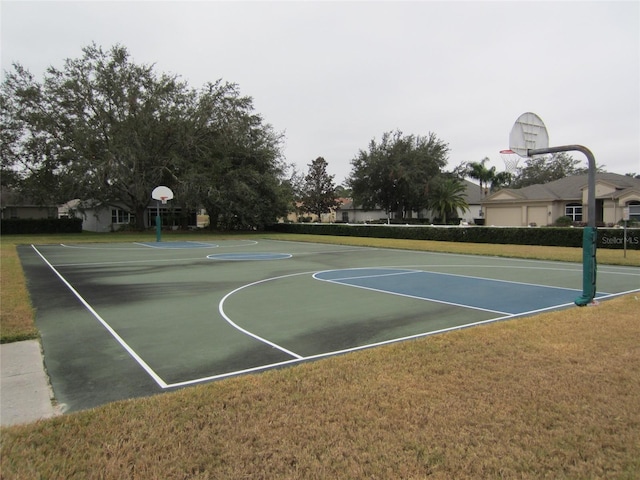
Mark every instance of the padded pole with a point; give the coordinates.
(589, 267)
(590, 234)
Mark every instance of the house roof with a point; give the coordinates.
(347, 203)
(569, 188)
(472, 193)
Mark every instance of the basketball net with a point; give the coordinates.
(511, 160)
(163, 200)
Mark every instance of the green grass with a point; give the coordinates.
(550, 396)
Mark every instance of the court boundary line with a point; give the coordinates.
(247, 256)
(160, 246)
(105, 324)
(140, 244)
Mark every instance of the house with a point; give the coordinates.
(543, 204)
(110, 218)
(473, 195)
(300, 215)
(96, 217)
(348, 212)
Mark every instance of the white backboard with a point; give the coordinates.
(162, 193)
(528, 133)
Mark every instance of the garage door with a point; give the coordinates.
(537, 215)
(504, 216)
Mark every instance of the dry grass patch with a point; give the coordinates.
(551, 396)
(16, 314)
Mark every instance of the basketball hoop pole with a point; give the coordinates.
(160, 194)
(590, 234)
(158, 223)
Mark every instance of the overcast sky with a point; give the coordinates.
(332, 76)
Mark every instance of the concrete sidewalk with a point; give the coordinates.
(25, 392)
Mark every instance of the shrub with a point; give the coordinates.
(563, 222)
(41, 225)
(549, 236)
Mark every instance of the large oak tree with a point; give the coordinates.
(107, 129)
(394, 173)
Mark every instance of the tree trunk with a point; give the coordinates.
(214, 215)
(140, 210)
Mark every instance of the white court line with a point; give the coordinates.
(338, 282)
(165, 245)
(84, 247)
(247, 332)
(377, 275)
(605, 269)
(249, 243)
(508, 281)
(129, 262)
(118, 338)
(220, 376)
(112, 246)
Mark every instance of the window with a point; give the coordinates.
(345, 217)
(573, 211)
(121, 216)
(634, 210)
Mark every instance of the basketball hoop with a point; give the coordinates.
(511, 160)
(529, 138)
(162, 193)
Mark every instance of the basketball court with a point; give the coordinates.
(135, 319)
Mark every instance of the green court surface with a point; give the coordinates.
(128, 320)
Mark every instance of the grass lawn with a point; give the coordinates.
(549, 396)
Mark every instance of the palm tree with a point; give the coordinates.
(478, 171)
(447, 196)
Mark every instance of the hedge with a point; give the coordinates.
(550, 236)
(24, 226)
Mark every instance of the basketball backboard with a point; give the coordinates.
(162, 193)
(528, 133)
